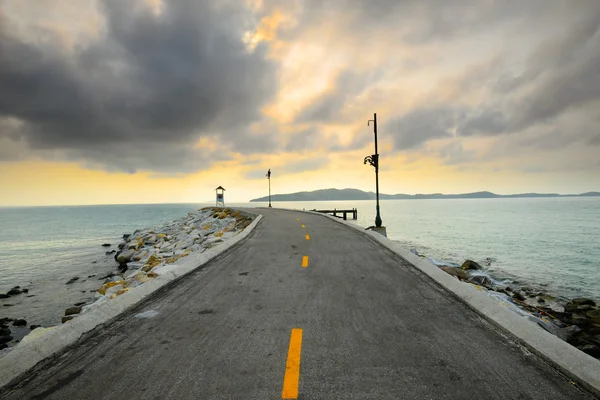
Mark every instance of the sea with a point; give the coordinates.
(550, 244)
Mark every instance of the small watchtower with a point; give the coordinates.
(220, 196)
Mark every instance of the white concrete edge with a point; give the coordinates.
(572, 362)
(27, 355)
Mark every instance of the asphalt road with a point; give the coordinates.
(369, 325)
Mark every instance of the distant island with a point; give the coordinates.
(355, 194)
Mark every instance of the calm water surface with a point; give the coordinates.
(552, 243)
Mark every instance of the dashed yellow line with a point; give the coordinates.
(303, 226)
(304, 261)
(292, 367)
(297, 219)
(307, 237)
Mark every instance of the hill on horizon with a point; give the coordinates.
(356, 194)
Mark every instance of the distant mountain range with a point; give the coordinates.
(355, 194)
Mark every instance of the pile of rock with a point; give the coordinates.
(576, 322)
(583, 314)
(148, 253)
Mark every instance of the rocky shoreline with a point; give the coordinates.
(142, 256)
(576, 321)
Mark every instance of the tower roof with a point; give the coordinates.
(220, 187)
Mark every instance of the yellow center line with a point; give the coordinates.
(307, 237)
(292, 367)
(304, 261)
(297, 219)
(303, 226)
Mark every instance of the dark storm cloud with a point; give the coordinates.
(421, 125)
(141, 95)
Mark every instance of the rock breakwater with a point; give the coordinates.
(146, 254)
(576, 321)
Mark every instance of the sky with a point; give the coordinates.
(161, 101)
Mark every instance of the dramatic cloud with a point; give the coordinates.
(142, 94)
(171, 86)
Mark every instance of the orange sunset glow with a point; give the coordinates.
(149, 101)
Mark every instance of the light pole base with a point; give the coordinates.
(381, 230)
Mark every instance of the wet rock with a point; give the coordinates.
(122, 245)
(540, 300)
(20, 322)
(579, 305)
(470, 264)
(32, 327)
(25, 290)
(459, 273)
(525, 289)
(5, 332)
(8, 305)
(5, 339)
(591, 348)
(72, 311)
(4, 296)
(72, 280)
(581, 301)
(594, 316)
(67, 318)
(481, 280)
(79, 304)
(518, 296)
(126, 236)
(106, 245)
(14, 291)
(108, 253)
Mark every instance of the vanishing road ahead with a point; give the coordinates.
(361, 322)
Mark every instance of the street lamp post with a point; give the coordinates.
(269, 177)
(373, 160)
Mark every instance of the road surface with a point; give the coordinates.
(304, 307)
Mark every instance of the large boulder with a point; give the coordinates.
(470, 264)
(20, 322)
(151, 239)
(125, 256)
(459, 273)
(579, 305)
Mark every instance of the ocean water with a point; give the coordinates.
(552, 244)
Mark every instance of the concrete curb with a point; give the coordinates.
(570, 361)
(26, 356)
